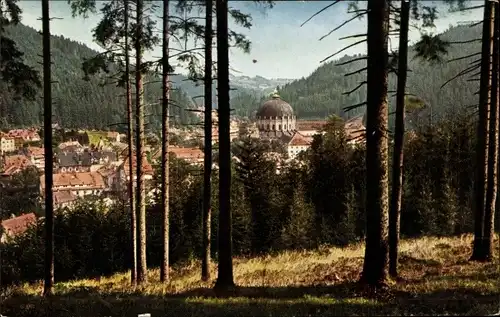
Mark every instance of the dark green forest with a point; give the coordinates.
(321, 94)
(87, 104)
(79, 103)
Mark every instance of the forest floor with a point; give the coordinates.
(436, 278)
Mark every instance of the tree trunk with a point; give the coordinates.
(483, 133)
(491, 192)
(139, 97)
(376, 260)
(207, 164)
(130, 134)
(225, 267)
(397, 165)
(164, 270)
(47, 139)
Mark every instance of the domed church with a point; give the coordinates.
(275, 119)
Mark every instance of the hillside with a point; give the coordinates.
(78, 103)
(436, 279)
(321, 93)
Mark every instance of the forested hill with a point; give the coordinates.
(321, 93)
(77, 103)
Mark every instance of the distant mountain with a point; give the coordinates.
(258, 83)
(324, 92)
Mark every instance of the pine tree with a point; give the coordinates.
(47, 126)
(375, 267)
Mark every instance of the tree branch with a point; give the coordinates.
(345, 48)
(463, 57)
(356, 71)
(357, 87)
(349, 108)
(352, 61)
(320, 11)
(338, 27)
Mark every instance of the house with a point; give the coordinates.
(69, 162)
(64, 198)
(37, 156)
(70, 146)
(298, 144)
(355, 130)
(16, 225)
(113, 136)
(190, 155)
(27, 135)
(79, 184)
(14, 164)
(233, 132)
(103, 157)
(22, 136)
(124, 170)
(309, 128)
(7, 144)
(110, 176)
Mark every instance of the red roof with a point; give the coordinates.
(299, 140)
(147, 169)
(19, 224)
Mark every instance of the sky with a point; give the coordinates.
(281, 47)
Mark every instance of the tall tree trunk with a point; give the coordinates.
(491, 192)
(164, 148)
(207, 164)
(483, 133)
(397, 165)
(47, 139)
(225, 267)
(376, 260)
(139, 100)
(130, 134)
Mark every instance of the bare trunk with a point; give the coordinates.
(482, 133)
(47, 139)
(376, 260)
(164, 148)
(397, 165)
(225, 268)
(491, 192)
(141, 204)
(130, 133)
(207, 164)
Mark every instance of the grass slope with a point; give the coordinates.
(436, 278)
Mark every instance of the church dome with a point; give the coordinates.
(275, 107)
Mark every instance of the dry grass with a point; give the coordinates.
(436, 278)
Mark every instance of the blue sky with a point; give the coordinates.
(281, 47)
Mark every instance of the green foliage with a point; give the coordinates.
(21, 194)
(79, 103)
(18, 79)
(302, 206)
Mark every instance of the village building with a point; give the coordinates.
(36, 156)
(14, 164)
(16, 225)
(64, 199)
(25, 135)
(79, 184)
(7, 144)
(276, 120)
(299, 143)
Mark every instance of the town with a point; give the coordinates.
(95, 163)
